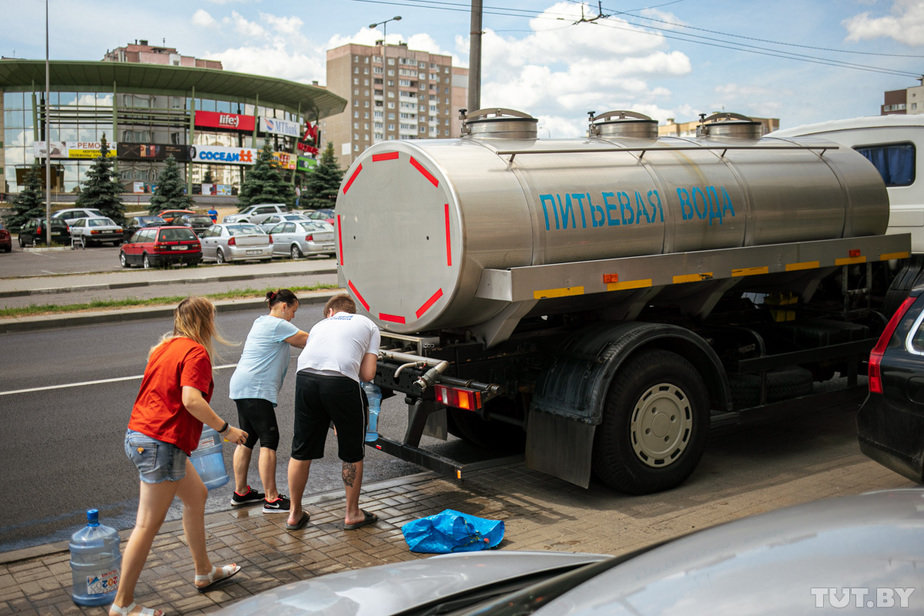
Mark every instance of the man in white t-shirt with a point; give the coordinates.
(342, 350)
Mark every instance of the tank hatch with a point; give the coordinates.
(622, 124)
(728, 125)
(498, 123)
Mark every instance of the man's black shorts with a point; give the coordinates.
(322, 399)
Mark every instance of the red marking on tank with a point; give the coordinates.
(429, 302)
(394, 318)
(448, 238)
(424, 172)
(352, 177)
(340, 240)
(384, 156)
(358, 296)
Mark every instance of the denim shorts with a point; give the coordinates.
(157, 461)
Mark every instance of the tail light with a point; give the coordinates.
(875, 356)
(309, 238)
(271, 239)
(231, 242)
(458, 397)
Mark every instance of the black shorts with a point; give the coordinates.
(320, 400)
(258, 419)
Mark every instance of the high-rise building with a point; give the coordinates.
(392, 92)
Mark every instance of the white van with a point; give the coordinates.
(890, 143)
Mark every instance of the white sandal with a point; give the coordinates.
(216, 576)
(127, 610)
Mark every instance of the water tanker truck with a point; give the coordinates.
(601, 302)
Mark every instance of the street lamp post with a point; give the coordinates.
(384, 25)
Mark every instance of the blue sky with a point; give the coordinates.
(666, 58)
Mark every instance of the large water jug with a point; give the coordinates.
(95, 562)
(208, 461)
(374, 395)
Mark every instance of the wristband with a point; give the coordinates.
(223, 428)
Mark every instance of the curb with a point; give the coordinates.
(136, 314)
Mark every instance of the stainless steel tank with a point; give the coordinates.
(418, 221)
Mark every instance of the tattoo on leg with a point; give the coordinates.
(349, 473)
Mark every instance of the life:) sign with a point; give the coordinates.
(225, 121)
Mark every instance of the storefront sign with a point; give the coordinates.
(307, 164)
(311, 139)
(217, 154)
(153, 151)
(284, 160)
(279, 127)
(73, 149)
(225, 121)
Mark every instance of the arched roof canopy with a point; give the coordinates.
(28, 75)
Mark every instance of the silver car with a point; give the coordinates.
(271, 221)
(236, 242)
(302, 238)
(96, 230)
(850, 554)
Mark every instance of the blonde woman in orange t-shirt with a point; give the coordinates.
(165, 426)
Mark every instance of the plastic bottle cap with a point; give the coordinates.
(92, 517)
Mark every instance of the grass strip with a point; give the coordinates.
(40, 309)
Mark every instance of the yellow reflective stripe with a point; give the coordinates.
(749, 271)
(562, 292)
(804, 265)
(692, 277)
(849, 260)
(628, 284)
(894, 255)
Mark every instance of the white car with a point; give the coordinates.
(271, 221)
(257, 212)
(72, 214)
(236, 242)
(96, 230)
(303, 238)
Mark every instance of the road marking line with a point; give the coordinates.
(85, 383)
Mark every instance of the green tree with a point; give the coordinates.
(208, 177)
(102, 190)
(30, 202)
(322, 184)
(263, 183)
(170, 193)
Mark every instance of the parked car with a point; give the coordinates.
(33, 232)
(171, 215)
(302, 238)
(857, 552)
(198, 222)
(161, 246)
(236, 242)
(6, 240)
(256, 213)
(327, 215)
(890, 423)
(271, 221)
(96, 230)
(139, 221)
(69, 215)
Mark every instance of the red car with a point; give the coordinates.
(6, 240)
(160, 247)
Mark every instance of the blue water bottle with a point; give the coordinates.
(208, 461)
(95, 562)
(374, 395)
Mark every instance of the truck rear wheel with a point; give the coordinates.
(655, 424)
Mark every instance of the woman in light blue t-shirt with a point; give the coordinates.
(254, 386)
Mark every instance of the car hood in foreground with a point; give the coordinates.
(388, 589)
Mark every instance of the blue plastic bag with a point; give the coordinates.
(452, 531)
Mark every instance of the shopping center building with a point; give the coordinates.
(212, 121)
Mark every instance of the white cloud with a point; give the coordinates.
(905, 24)
(203, 19)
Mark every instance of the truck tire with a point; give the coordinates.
(490, 435)
(909, 276)
(655, 424)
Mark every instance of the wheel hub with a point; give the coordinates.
(661, 425)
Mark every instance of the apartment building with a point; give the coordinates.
(392, 92)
